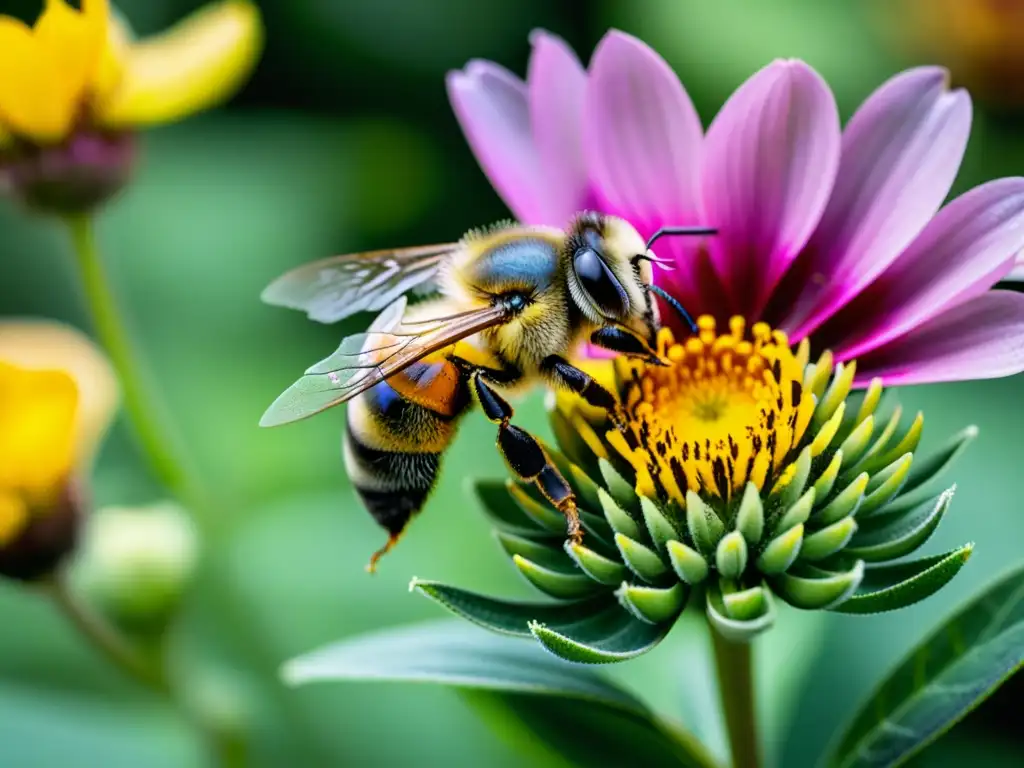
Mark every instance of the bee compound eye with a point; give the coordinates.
(600, 284)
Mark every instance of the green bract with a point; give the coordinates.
(828, 529)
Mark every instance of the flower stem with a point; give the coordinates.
(106, 639)
(153, 433)
(736, 687)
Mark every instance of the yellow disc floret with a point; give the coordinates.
(724, 409)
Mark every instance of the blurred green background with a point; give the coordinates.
(344, 141)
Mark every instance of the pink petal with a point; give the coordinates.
(1017, 273)
(980, 339)
(900, 154)
(962, 252)
(770, 158)
(492, 107)
(642, 142)
(556, 81)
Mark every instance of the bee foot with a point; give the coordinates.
(371, 567)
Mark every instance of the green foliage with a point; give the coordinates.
(944, 678)
(576, 712)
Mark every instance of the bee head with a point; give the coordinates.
(610, 277)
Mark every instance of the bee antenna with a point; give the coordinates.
(673, 302)
(667, 231)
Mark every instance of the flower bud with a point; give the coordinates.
(136, 563)
(75, 176)
(36, 535)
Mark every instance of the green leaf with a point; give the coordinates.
(612, 737)
(945, 677)
(548, 695)
(889, 587)
(452, 653)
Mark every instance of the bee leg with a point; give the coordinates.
(525, 455)
(565, 374)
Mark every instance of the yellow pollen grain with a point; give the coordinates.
(726, 410)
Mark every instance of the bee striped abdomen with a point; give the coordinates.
(393, 444)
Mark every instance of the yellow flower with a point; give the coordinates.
(82, 68)
(57, 397)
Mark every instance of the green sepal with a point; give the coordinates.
(827, 479)
(747, 604)
(569, 441)
(620, 489)
(796, 514)
(791, 492)
(497, 503)
(618, 518)
(881, 538)
(782, 551)
(816, 589)
(736, 629)
(885, 485)
(554, 580)
(593, 630)
(834, 396)
(878, 445)
(705, 527)
(655, 605)
(856, 442)
(907, 444)
(890, 587)
(581, 483)
(512, 617)
(829, 540)
(927, 469)
(537, 549)
(659, 527)
(541, 512)
(750, 516)
(598, 567)
(846, 502)
(688, 563)
(642, 560)
(585, 488)
(731, 555)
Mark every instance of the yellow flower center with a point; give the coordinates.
(726, 409)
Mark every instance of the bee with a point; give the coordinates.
(502, 309)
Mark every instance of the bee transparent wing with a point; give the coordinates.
(332, 289)
(366, 359)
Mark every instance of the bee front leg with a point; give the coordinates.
(564, 374)
(525, 455)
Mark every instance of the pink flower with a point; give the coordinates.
(831, 233)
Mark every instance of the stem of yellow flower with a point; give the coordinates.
(736, 688)
(156, 438)
(106, 639)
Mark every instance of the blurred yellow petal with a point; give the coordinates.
(33, 101)
(112, 60)
(38, 413)
(13, 516)
(194, 65)
(73, 40)
(44, 345)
